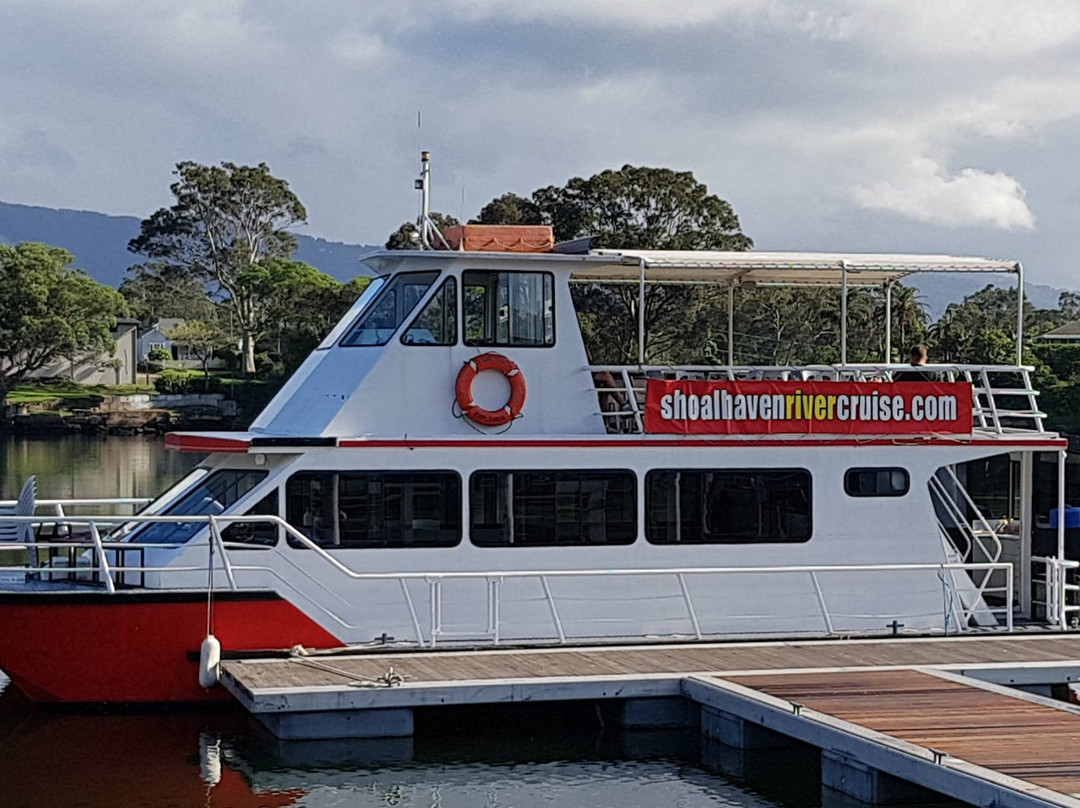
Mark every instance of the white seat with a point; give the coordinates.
(24, 506)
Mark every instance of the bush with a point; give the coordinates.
(159, 354)
(179, 382)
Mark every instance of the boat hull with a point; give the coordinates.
(136, 646)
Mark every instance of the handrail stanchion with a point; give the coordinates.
(554, 611)
(103, 564)
(821, 603)
(215, 534)
(689, 605)
(412, 612)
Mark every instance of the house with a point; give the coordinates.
(157, 336)
(1063, 335)
(115, 367)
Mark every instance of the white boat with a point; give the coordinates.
(445, 469)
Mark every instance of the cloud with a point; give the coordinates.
(970, 197)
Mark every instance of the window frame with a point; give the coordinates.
(705, 542)
(635, 531)
(460, 504)
(546, 275)
(387, 288)
(861, 469)
(457, 315)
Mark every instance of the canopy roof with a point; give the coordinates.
(777, 268)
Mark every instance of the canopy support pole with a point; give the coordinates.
(1019, 313)
(843, 312)
(1062, 454)
(731, 325)
(641, 313)
(888, 322)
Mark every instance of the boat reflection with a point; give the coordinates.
(51, 760)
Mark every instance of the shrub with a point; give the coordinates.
(171, 382)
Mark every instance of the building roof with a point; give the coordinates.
(1069, 331)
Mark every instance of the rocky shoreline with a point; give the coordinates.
(124, 415)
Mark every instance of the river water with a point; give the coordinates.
(514, 759)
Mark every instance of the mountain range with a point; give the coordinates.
(99, 243)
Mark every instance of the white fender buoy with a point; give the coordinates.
(209, 661)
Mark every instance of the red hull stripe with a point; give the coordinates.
(205, 443)
(356, 443)
(136, 646)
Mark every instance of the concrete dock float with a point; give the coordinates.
(893, 718)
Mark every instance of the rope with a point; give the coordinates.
(389, 679)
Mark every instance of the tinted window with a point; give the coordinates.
(261, 533)
(884, 482)
(376, 508)
(436, 324)
(509, 308)
(545, 508)
(729, 506)
(212, 496)
(388, 311)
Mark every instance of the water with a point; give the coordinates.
(56, 760)
(90, 465)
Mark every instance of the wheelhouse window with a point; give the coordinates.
(352, 509)
(729, 506)
(211, 496)
(877, 482)
(436, 324)
(388, 311)
(264, 534)
(504, 309)
(552, 508)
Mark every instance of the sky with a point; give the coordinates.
(943, 126)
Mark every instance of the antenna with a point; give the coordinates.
(424, 224)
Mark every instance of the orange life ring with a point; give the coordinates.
(508, 368)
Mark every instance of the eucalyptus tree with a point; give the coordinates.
(226, 221)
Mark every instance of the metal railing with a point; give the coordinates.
(1004, 400)
(1060, 594)
(961, 605)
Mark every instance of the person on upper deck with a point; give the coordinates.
(918, 360)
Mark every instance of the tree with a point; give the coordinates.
(154, 290)
(637, 208)
(643, 208)
(509, 209)
(201, 339)
(49, 311)
(407, 237)
(227, 219)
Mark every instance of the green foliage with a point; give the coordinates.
(509, 209)
(226, 220)
(407, 237)
(1063, 361)
(157, 290)
(641, 208)
(49, 311)
(159, 354)
(179, 382)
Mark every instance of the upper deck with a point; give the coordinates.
(402, 363)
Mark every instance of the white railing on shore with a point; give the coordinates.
(995, 401)
(965, 606)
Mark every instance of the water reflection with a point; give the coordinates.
(90, 465)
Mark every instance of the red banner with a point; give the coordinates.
(819, 408)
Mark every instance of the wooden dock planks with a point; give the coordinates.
(458, 666)
(1008, 734)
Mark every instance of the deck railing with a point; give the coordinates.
(102, 561)
(1004, 399)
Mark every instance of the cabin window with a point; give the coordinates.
(211, 496)
(552, 508)
(388, 311)
(729, 506)
(263, 534)
(436, 324)
(877, 482)
(505, 309)
(375, 508)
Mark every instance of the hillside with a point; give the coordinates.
(99, 242)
